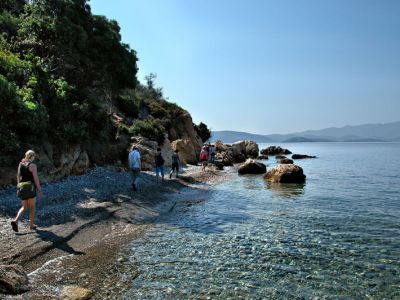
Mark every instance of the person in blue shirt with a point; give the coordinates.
(135, 165)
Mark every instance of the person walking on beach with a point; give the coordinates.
(212, 154)
(27, 176)
(175, 164)
(159, 160)
(203, 158)
(135, 165)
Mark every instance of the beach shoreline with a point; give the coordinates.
(85, 221)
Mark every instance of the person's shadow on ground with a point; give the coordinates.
(58, 242)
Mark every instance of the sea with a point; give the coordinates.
(335, 237)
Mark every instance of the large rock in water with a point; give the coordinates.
(286, 174)
(13, 279)
(263, 157)
(285, 161)
(252, 166)
(252, 149)
(238, 152)
(302, 156)
(247, 148)
(275, 150)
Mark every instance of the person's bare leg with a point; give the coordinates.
(21, 210)
(32, 208)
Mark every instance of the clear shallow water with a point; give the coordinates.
(336, 237)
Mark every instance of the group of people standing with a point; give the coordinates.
(207, 155)
(135, 164)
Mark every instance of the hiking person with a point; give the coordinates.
(159, 160)
(27, 185)
(175, 164)
(212, 154)
(203, 158)
(135, 165)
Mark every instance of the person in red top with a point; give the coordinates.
(203, 158)
(27, 171)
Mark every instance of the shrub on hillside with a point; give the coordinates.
(151, 129)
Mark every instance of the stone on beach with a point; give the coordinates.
(73, 292)
(252, 166)
(286, 173)
(13, 279)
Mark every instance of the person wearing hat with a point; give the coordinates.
(135, 165)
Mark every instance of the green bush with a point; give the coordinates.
(150, 129)
(129, 102)
(203, 131)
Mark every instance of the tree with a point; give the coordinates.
(203, 131)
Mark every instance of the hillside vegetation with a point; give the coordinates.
(66, 78)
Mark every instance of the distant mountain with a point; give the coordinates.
(364, 140)
(228, 136)
(388, 132)
(301, 139)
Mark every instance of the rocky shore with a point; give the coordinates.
(84, 222)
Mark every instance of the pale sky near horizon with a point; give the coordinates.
(264, 66)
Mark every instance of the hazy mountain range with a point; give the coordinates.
(389, 132)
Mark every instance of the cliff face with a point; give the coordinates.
(57, 161)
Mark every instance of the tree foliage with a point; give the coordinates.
(56, 61)
(203, 131)
(63, 71)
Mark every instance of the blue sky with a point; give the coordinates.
(266, 66)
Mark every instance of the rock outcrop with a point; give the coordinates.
(237, 152)
(182, 129)
(252, 166)
(13, 280)
(286, 174)
(187, 151)
(302, 156)
(275, 150)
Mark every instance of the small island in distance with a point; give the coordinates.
(388, 132)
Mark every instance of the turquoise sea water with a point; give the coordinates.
(335, 237)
